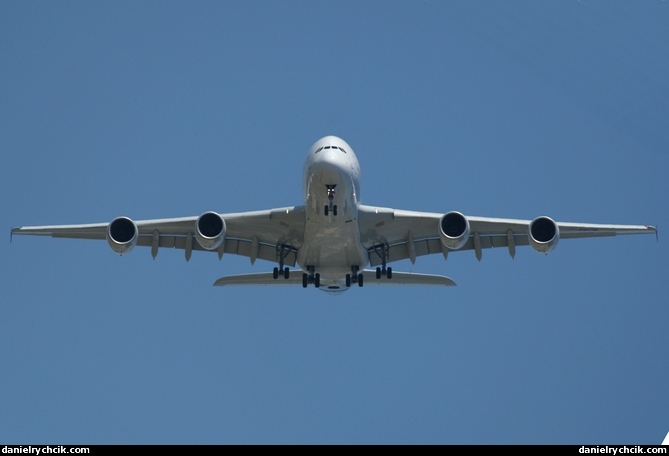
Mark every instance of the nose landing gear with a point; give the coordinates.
(330, 207)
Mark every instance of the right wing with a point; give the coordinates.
(407, 234)
(258, 234)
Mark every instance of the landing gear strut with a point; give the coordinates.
(382, 251)
(285, 272)
(311, 277)
(388, 272)
(330, 207)
(282, 252)
(354, 277)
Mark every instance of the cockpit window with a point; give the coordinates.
(330, 147)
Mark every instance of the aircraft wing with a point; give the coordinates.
(253, 234)
(408, 234)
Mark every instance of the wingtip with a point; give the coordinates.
(653, 229)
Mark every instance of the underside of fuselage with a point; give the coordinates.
(331, 247)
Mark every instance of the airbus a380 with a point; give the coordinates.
(333, 237)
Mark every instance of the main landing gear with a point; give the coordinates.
(354, 277)
(388, 272)
(330, 207)
(383, 252)
(285, 272)
(311, 277)
(282, 251)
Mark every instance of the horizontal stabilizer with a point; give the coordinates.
(406, 278)
(261, 278)
(398, 278)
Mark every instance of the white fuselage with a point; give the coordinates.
(332, 242)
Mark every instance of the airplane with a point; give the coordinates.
(332, 237)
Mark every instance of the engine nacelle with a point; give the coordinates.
(453, 230)
(210, 230)
(544, 234)
(122, 235)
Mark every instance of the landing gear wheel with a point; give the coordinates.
(286, 273)
(305, 280)
(275, 273)
(317, 280)
(378, 273)
(327, 209)
(360, 277)
(334, 210)
(348, 280)
(389, 273)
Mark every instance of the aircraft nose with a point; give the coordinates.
(328, 172)
(332, 155)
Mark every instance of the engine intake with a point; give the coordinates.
(544, 234)
(453, 230)
(210, 230)
(122, 235)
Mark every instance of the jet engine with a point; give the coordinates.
(453, 230)
(122, 235)
(210, 230)
(544, 234)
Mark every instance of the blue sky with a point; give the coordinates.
(500, 109)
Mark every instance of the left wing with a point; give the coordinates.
(405, 234)
(265, 234)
